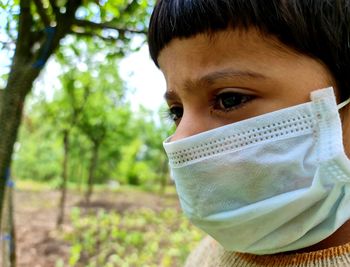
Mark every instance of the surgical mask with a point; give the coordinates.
(268, 184)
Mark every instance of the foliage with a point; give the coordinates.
(90, 107)
(35, 30)
(40, 154)
(109, 24)
(131, 153)
(137, 238)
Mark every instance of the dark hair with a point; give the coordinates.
(317, 28)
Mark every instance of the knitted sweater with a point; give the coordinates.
(210, 254)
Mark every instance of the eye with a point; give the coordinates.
(227, 101)
(175, 113)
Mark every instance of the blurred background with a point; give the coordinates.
(84, 180)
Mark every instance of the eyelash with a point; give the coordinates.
(215, 104)
(171, 114)
(244, 98)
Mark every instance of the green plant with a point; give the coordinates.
(141, 237)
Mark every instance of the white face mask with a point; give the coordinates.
(268, 184)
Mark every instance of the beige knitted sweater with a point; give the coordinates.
(210, 254)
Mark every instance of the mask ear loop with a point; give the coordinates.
(343, 104)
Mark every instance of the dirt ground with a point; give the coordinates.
(39, 243)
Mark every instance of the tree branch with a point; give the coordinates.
(7, 43)
(44, 17)
(106, 25)
(129, 7)
(54, 7)
(93, 34)
(24, 32)
(53, 35)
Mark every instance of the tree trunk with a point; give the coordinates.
(12, 228)
(25, 69)
(8, 235)
(81, 178)
(8, 229)
(19, 84)
(1, 96)
(62, 203)
(92, 169)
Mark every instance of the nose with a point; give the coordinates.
(191, 123)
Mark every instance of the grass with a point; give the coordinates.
(33, 185)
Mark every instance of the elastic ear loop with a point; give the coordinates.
(341, 105)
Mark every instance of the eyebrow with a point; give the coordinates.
(212, 77)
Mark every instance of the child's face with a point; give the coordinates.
(232, 76)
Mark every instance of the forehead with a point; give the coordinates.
(247, 51)
(220, 47)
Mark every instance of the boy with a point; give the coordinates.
(259, 93)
